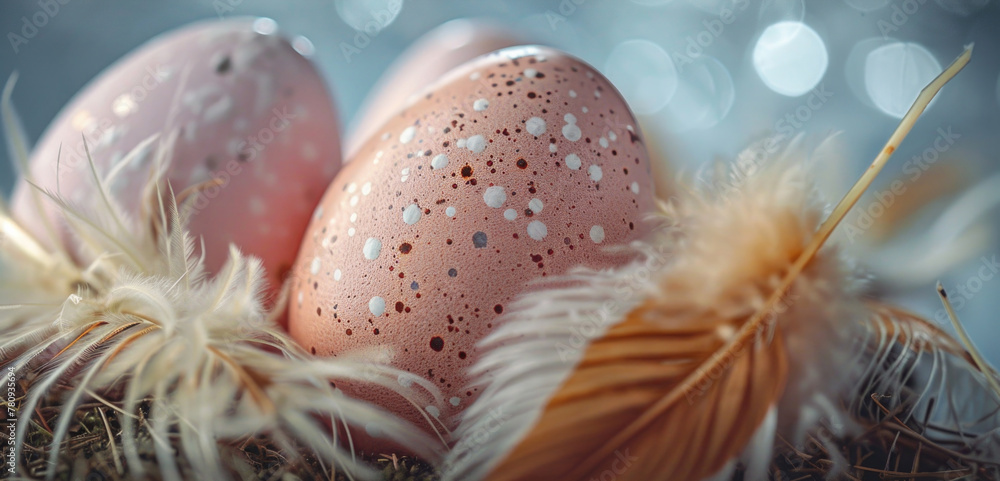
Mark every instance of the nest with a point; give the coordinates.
(887, 449)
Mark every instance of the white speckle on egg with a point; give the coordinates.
(571, 131)
(315, 266)
(552, 148)
(352, 188)
(337, 274)
(366, 189)
(301, 298)
(440, 161)
(480, 105)
(377, 306)
(603, 141)
(309, 151)
(354, 217)
(495, 196)
(572, 94)
(597, 94)
(573, 161)
(408, 134)
(460, 143)
(476, 143)
(374, 430)
(218, 110)
(474, 76)
(612, 135)
(354, 200)
(597, 234)
(257, 206)
(596, 174)
(584, 109)
(510, 214)
(535, 126)
(351, 232)
(433, 411)
(455, 401)
(537, 230)
(405, 380)
(411, 214)
(530, 73)
(373, 247)
(450, 212)
(635, 187)
(405, 173)
(535, 205)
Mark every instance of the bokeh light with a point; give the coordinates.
(369, 16)
(895, 73)
(644, 74)
(705, 94)
(265, 26)
(790, 58)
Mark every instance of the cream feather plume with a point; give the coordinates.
(132, 316)
(737, 328)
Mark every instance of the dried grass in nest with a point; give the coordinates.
(886, 449)
(92, 451)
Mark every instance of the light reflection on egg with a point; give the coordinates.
(515, 166)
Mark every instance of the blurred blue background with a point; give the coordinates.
(706, 78)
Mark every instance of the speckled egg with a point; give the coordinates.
(246, 108)
(515, 166)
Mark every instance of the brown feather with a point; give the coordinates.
(625, 373)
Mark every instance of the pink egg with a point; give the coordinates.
(423, 63)
(247, 109)
(516, 166)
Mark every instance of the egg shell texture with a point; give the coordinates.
(423, 253)
(245, 107)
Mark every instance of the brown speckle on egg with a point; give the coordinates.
(520, 185)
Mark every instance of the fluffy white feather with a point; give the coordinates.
(133, 316)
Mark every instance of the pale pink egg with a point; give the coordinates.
(516, 166)
(423, 63)
(247, 109)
